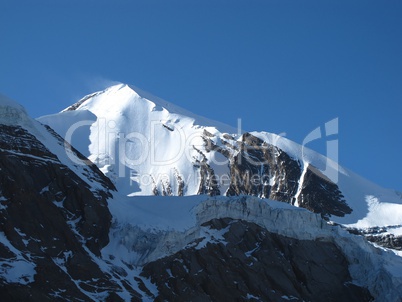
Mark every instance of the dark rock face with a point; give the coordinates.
(80, 102)
(387, 240)
(261, 169)
(208, 182)
(258, 168)
(380, 236)
(52, 219)
(320, 195)
(251, 264)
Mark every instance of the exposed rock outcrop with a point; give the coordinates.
(260, 169)
(380, 236)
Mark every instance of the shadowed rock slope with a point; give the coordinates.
(251, 264)
(52, 224)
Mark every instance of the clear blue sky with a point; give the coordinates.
(281, 66)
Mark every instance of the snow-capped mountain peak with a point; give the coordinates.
(121, 96)
(148, 146)
(130, 134)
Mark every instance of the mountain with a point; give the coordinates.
(73, 229)
(148, 146)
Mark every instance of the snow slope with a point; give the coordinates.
(146, 146)
(138, 143)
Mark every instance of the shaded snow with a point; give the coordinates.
(380, 214)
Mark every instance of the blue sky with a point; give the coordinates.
(281, 66)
